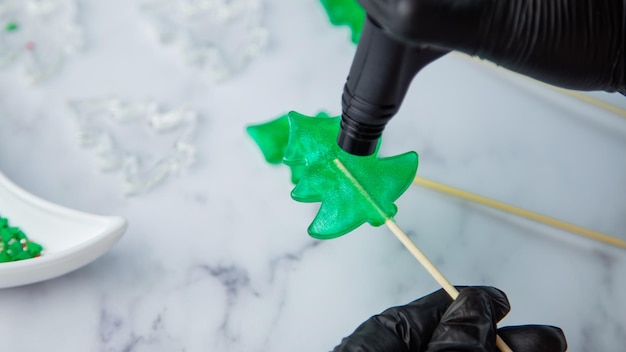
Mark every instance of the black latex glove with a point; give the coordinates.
(577, 44)
(436, 323)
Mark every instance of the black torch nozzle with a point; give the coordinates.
(380, 75)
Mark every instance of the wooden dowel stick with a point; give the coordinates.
(598, 236)
(598, 103)
(421, 257)
(433, 271)
(416, 252)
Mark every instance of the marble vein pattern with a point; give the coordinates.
(218, 258)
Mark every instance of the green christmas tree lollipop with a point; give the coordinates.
(353, 190)
(346, 12)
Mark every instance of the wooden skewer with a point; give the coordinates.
(433, 271)
(416, 252)
(599, 103)
(598, 236)
(591, 101)
(421, 257)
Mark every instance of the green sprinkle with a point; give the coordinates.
(14, 245)
(11, 27)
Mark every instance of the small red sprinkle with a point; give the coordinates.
(30, 45)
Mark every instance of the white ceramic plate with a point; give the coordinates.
(71, 239)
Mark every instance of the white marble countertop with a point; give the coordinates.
(218, 258)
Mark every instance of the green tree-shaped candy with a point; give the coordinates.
(346, 12)
(352, 189)
(272, 138)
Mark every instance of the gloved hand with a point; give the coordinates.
(577, 44)
(436, 323)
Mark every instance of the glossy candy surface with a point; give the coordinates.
(272, 138)
(353, 190)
